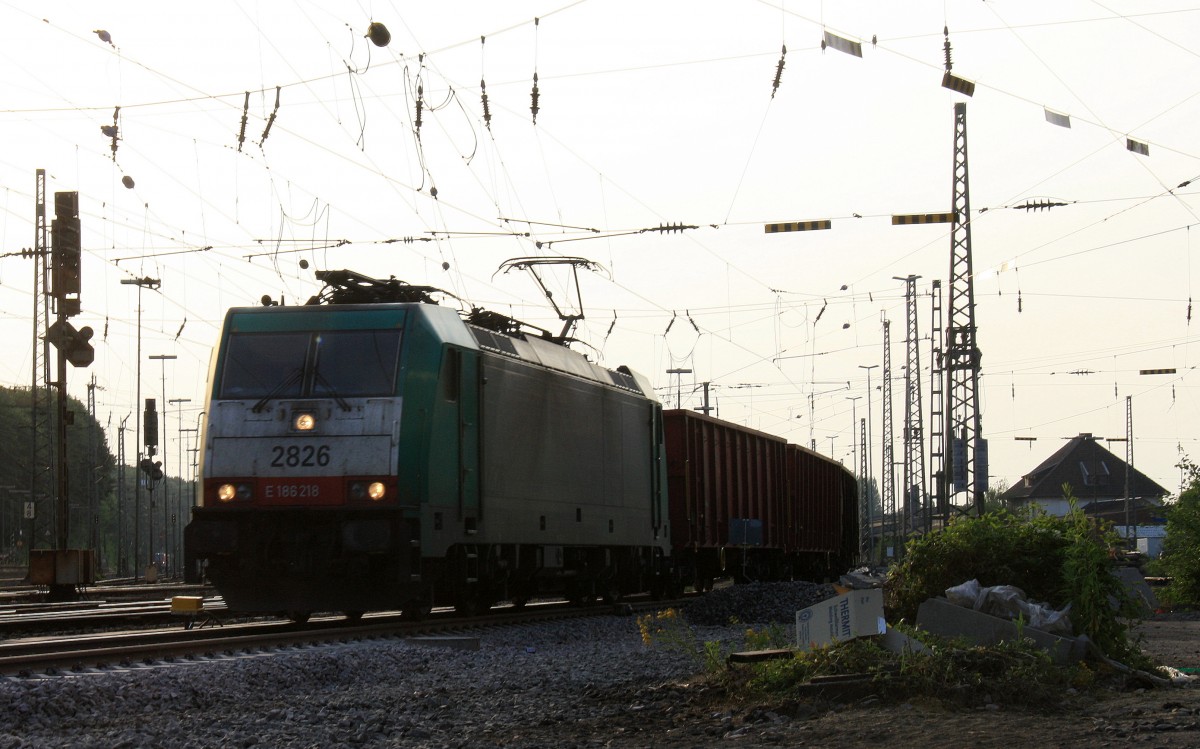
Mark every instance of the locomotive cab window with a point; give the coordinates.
(327, 363)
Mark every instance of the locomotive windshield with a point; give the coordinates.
(326, 363)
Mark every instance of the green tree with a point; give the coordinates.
(1181, 548)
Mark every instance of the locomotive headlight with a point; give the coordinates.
(304, 422)
(230, 492)
(374, 490)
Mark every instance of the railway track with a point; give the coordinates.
(50, 656)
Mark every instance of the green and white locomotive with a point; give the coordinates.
(375, 450)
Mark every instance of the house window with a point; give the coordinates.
(1095, 472)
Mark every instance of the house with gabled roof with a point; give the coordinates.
(1096, 476)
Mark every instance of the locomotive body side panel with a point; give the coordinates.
(565, 460)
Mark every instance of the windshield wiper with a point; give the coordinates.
(342, 402)
(287, 382)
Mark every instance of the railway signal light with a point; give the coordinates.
(152, 469)
(66, 248)
(72, 344)
(150, 427)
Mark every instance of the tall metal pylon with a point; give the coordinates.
(937, 411)
(967, 463)
(916, 510)
(864, 492)
(888, 492)
(41, 476)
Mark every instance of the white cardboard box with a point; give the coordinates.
(854, 614)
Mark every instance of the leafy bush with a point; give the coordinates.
(995, 549)
(1057, 561)
(1181, 548)
(1010, 673)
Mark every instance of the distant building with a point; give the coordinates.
(1097, 479)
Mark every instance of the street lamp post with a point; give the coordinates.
(141, 283)
(163, 358)
(862, 482)
(678, 384)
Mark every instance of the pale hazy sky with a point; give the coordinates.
(650, 114)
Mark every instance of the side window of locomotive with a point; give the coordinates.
(258, 364)
(451, 365)
(358, 363)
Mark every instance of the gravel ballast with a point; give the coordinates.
(523, 685)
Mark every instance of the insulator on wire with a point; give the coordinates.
(420, 98)
(533, 97)
(668, 330)
(946, 48)
(779, 71)
(271, 119)
(1189, 319)
(245, 115)
(487, 115)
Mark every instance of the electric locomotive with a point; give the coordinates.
(375, 450)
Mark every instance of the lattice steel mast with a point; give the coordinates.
(967, 464)
(916, 512)
(41, 478)
(937, 410)
(889, 471)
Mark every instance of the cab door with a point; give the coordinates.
(468, 412)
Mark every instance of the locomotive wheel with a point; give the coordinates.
(353, 616)
(472, 602)
(415, 611)
(612, 593)
(580, 595)
(299, 617)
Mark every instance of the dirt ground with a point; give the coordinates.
(1136, 716)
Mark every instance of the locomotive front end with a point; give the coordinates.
(301, 508)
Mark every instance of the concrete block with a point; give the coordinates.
(1137, 586)
(940, 617)
(899, 643)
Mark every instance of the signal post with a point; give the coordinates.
(61, 568)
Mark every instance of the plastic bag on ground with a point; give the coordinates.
(1009, 602)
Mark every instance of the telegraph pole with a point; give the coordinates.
(141, 283)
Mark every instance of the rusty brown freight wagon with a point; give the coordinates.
(747, 504)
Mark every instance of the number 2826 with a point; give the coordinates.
(299, 456)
